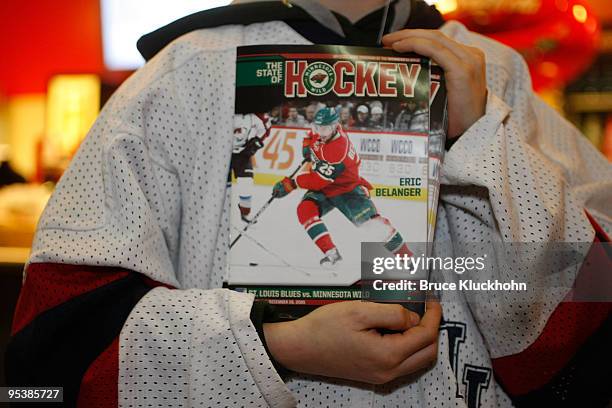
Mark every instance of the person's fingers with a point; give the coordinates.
(402, 353)
(433, 314)
(370, 315)
(418, 337)
(412, 340)
(395, 36)
(453, 66)
(421, 359)
(460, 50)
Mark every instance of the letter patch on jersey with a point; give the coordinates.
(475, 379)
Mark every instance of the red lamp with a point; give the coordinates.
(558, 38)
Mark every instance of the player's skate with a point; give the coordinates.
(245, 214)
(332, 257)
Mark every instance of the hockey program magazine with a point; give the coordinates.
(331, 150)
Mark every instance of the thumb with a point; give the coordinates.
(386, 316)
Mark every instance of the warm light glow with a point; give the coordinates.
(549, 69)
(553, 97)
(579, 12)
(25, 124)
(73, 102)
(4, 132)
(444, 6)
(482, 7)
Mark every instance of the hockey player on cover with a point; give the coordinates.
(333, 181)
(249, 133)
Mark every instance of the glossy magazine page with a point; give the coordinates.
(330, 150)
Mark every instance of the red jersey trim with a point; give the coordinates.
(47, 289)
(567, 329)
(99, 386)
(48, 285)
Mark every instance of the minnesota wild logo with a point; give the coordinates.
(319, 78)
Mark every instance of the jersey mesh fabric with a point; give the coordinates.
(532, 178)
(147, 192)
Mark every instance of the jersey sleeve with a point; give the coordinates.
(195, 329)
(134, 301)
(262, 125)
(86, 312)
(81, 310)
(522, 173)
(256, 127)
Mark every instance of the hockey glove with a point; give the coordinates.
(306, 143)
(283, 187)
(252, 146)
(306, 152)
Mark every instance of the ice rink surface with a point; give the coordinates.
(276, 250)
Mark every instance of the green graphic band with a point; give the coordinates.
(395, 242)
(316, 230)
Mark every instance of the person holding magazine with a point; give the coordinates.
(122, 302)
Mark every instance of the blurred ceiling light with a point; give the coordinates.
(443, 6)
(579, 12)
(549, 69)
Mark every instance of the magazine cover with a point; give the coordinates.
(330, 150)
(437, 139)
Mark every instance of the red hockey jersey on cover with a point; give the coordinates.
(335, 166)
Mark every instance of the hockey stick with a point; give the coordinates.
(264, 207)
(273, 254)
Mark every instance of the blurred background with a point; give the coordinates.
(62, 60)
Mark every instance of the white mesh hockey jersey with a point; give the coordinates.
(147, 192)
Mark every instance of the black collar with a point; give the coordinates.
(364, 32)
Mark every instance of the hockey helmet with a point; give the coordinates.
(326, 122)
(326, 117)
